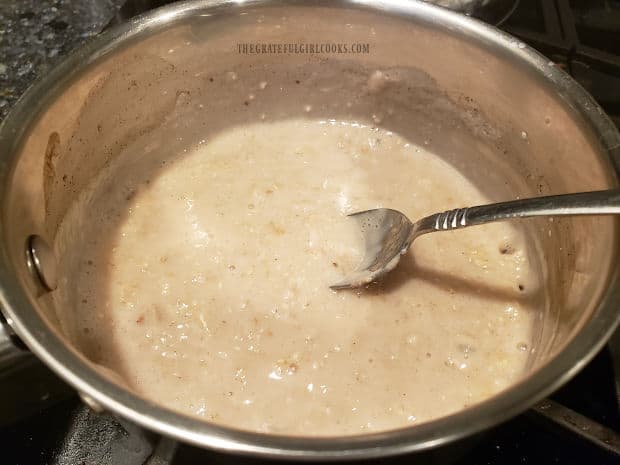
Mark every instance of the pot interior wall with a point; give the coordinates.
(484, 112)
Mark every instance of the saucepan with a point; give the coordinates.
(490, 105)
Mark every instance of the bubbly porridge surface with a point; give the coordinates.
(210, 295)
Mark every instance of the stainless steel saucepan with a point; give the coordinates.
(495, 109)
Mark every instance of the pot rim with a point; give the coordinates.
(74, 369)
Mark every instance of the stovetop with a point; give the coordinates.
(49, 425)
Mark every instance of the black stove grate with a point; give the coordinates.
(583, 36)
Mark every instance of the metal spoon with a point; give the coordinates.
(388, 233)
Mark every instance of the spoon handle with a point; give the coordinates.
(583, 203)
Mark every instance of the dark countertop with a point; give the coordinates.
(36, 34)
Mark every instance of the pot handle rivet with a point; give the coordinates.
(42, 261)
